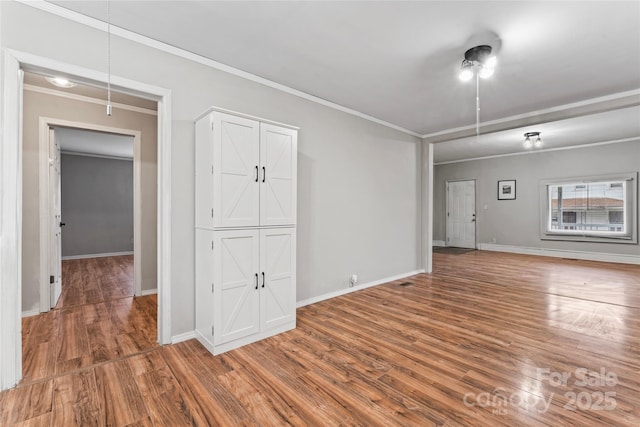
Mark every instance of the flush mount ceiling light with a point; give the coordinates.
(479, 61)
(528, 143)
(60, 82)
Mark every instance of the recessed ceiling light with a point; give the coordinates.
(60, 82)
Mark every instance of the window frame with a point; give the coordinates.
(630, 209)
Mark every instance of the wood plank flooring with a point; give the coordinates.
(95, 320)
(480, 342)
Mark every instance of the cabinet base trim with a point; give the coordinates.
(356, 288)
(205, 340)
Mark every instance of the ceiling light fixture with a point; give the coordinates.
(528, 143)
(480, 60)
(477, 61)
(60, 82)
(109, 108)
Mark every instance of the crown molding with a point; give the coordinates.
(149, 42)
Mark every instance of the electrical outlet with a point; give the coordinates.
(353, 280)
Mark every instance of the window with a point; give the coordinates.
(592, 209)
(616, 217)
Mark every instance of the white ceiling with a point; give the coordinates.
(398, 61)
(89, 142)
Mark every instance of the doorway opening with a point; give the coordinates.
(90, 230)
(96, 216)
(99, 215)
(13, 163)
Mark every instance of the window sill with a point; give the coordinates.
(626, 240)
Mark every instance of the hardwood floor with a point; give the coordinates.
(483, 341)
(95, 320)
(94, 280)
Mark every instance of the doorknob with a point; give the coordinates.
(62, 224)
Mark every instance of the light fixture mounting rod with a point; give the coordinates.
(477, 108)
(109, 107)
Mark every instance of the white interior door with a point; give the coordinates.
(461, 214)
(236, 171)
(278, 277)
(55, 228)
(236, 284)
(278, 158)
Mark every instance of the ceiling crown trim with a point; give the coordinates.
(149, 42)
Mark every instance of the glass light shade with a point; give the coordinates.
(538, 143)
(527, 143)
(491, 62)
(485, 71)
(466, 73)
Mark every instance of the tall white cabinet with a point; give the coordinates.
(245, 232)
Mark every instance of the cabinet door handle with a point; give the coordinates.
(257, 173)
(263, 279)
(256, 280)
(264, 174)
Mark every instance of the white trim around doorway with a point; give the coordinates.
(44, 124)
(11, 200)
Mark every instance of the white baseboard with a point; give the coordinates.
(146, 292)
(183, 337)
(562, 253)
(356, 288)
(439, 243)
(30, 313)
(96, 255)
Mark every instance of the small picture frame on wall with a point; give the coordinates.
(507, 190)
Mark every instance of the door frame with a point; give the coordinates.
(44, 124)
(446, 209)
(54, 231)
(11, 203)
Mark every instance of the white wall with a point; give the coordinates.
(517, 222)
(358, 181)
(97, 204)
